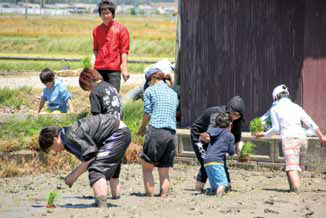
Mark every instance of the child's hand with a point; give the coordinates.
(323, 140)
(69, 181)
(141, 131)
(204, 137)
(259, 134)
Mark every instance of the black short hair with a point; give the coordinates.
(110, 5)
(282, 94)
(223, 120)
(47, 75)
(47, 136)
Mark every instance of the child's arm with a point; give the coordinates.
(70, 106)
(142, 128)
(147, 113)
(73, 176)
(42, 102)
(231, 146)
(306, 119)
(275, 126)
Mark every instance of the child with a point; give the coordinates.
(267, 122)
(104, 99)
(199, 137)
(286, 119)
(221, 143)
(55, 92)
(111, 43)
(160, 105)
(98, 141)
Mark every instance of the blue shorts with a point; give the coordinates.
(216, 175)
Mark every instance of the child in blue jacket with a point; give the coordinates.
(221, 143)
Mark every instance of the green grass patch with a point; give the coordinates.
(32, 66)
(132, 116)
(16, 129)
(14, 98)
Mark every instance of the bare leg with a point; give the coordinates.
(220, 191)
(100, 192)
(164, 181)
(199, 186)
(148, 178)
(294, 179)
(115, 187)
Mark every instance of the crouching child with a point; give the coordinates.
(221, 143)
(99, 142)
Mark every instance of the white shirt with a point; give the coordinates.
(286, 120)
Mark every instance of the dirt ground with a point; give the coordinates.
(255, 194)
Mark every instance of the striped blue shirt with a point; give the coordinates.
(160, 103)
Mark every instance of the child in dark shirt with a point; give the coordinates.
(104, 99)
(221, 143)
(99, 142)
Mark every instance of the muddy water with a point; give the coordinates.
(256, 194)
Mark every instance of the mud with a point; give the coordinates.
(255, 194)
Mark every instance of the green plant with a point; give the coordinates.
(132, 116)
(51, 199)
(256, 125)
(14, 98)
(86, 62)
(247, 149)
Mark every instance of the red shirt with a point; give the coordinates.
(110, 42)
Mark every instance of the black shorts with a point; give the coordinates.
(109, 157)
(159, 147)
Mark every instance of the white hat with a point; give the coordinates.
(164, 65)
(279, 89)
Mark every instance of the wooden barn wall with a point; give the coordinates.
(238, 47)
(314, 68)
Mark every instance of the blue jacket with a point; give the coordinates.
(222, 142)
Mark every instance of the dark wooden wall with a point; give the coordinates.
(246, 48)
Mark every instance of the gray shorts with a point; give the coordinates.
(159, 147)
(109, 156)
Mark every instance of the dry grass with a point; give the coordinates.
(132, 154)
(54, 162)
(143, 28)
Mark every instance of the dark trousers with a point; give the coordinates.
(112, 77)
(202, 175)
(108, 160)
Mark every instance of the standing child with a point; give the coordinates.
(221, 143)
(104, 99)
(236, 108)
(98, 141)
(55, 92)
(111, 42)
(286, 119)
(160, 106)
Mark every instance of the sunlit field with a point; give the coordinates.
(152, 38)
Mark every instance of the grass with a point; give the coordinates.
(14, 97)
(132, 116)
(38, 66)
(22, 134)
(38, 35)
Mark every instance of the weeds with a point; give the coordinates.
(14, 98)
(132, 116)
